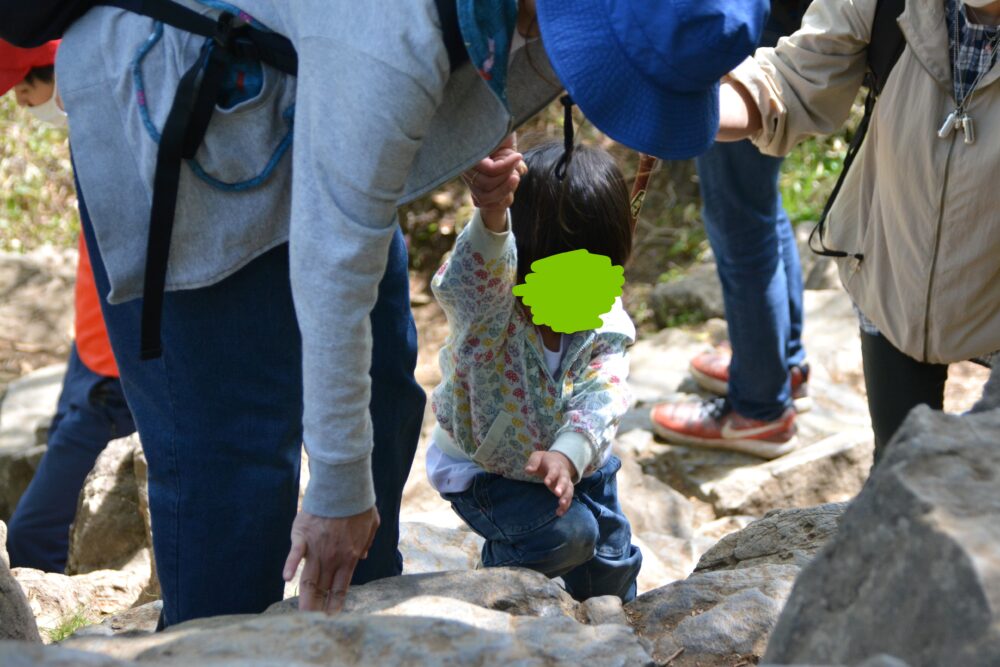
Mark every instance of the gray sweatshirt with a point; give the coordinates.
(377, 120)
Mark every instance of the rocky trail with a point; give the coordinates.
(745, 561)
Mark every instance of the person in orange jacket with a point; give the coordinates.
(92, 409)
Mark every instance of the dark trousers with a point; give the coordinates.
(91, 413)
(590, 546)
(220, 417)
(896, 384)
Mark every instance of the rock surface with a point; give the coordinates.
(914, 570)
(16, 618)
(713, 618)
(695, 296)
(109, 528)
(4, 556)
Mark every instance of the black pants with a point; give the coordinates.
(896, 384)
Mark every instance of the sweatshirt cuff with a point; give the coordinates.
(577, 448)
(338, 490)
(487, 243)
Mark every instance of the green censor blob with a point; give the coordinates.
(570, 291)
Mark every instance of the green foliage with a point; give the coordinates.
(37, 197)
(68, 625)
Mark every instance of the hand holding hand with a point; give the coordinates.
(558, 473)
(331, 549)
(494, 180)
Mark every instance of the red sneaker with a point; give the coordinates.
(713, 424)
(711, 371)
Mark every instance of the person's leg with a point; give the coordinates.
(795, 352)
(519, 523)
(220, 418)
(897, 383)
(397, 409)
(751, 237)
(92, 412)
(615, 566)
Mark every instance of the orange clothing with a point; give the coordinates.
(92, 342)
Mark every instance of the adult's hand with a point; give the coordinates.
(331, 549)
(495, 178)
(739, 116)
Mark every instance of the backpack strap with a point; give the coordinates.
(884, 49)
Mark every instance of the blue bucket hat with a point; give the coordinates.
(646, 72)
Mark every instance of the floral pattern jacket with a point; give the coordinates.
(497, 402)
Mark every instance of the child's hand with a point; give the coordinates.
(493, 182)
(558, 472)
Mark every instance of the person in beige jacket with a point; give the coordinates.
(918, 214)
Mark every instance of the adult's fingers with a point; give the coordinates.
(311, 595)
(338, 588)
(371, 534)
(295, 556)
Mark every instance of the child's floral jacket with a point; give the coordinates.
(497, 402)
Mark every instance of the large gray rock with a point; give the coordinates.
(36, 299)
(513, 590)
(420, 631)
(713, 619)
(4, 556)
(25, 414)
(110, 527)
(790, 537)
(22, 654)
(16, 619)
(139, 620)
(694, 297)
(430, 548)
(914, 570)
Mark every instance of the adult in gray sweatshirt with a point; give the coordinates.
(378, 119)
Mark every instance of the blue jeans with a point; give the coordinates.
(220, 417)
(91, 413)
(758, 264)
(590, 546)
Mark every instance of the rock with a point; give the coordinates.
(713, 618)
(27, 408)
(604, 610)
(56, 598)
(708, 534)
(4, 556)
(23, 654)
(140, 469)
(696, 296)
(782, 537)
(831, 470)
(36, 299)
(138, 620)
(420, 631)
(16, 619)
(513, 590)
(823, 275)
(650, 505)
(914, 570)
(428, 548)
(109, 528)
(991, 393)
(665, 559)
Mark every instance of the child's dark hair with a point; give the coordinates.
(45, 74)
(588, 209)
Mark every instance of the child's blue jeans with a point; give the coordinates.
(590, 546)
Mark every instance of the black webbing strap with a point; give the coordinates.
(197, 94)
(884, 49)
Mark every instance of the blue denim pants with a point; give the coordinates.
(220, 418)
(91, 412)
(590, 546)
(758, 264)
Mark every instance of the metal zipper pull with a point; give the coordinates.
(968, 128)
(950, 125)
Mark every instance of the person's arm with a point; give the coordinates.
(803, 87)
(360, 118)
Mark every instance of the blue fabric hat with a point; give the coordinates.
(646, 72)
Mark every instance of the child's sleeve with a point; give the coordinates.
(599, 401)
(475, 283)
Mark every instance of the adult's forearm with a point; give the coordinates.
(739, 117)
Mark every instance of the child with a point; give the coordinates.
(525, 413)
(91, 410)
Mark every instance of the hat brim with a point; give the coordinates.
(10, 78)
(615, 95)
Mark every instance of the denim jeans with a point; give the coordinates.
(91, 412)
(220, 417)
(758, 264)
(590, 546)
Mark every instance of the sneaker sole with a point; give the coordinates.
(720, 388)
(759, 448)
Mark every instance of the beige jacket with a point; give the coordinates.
(924, 211)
